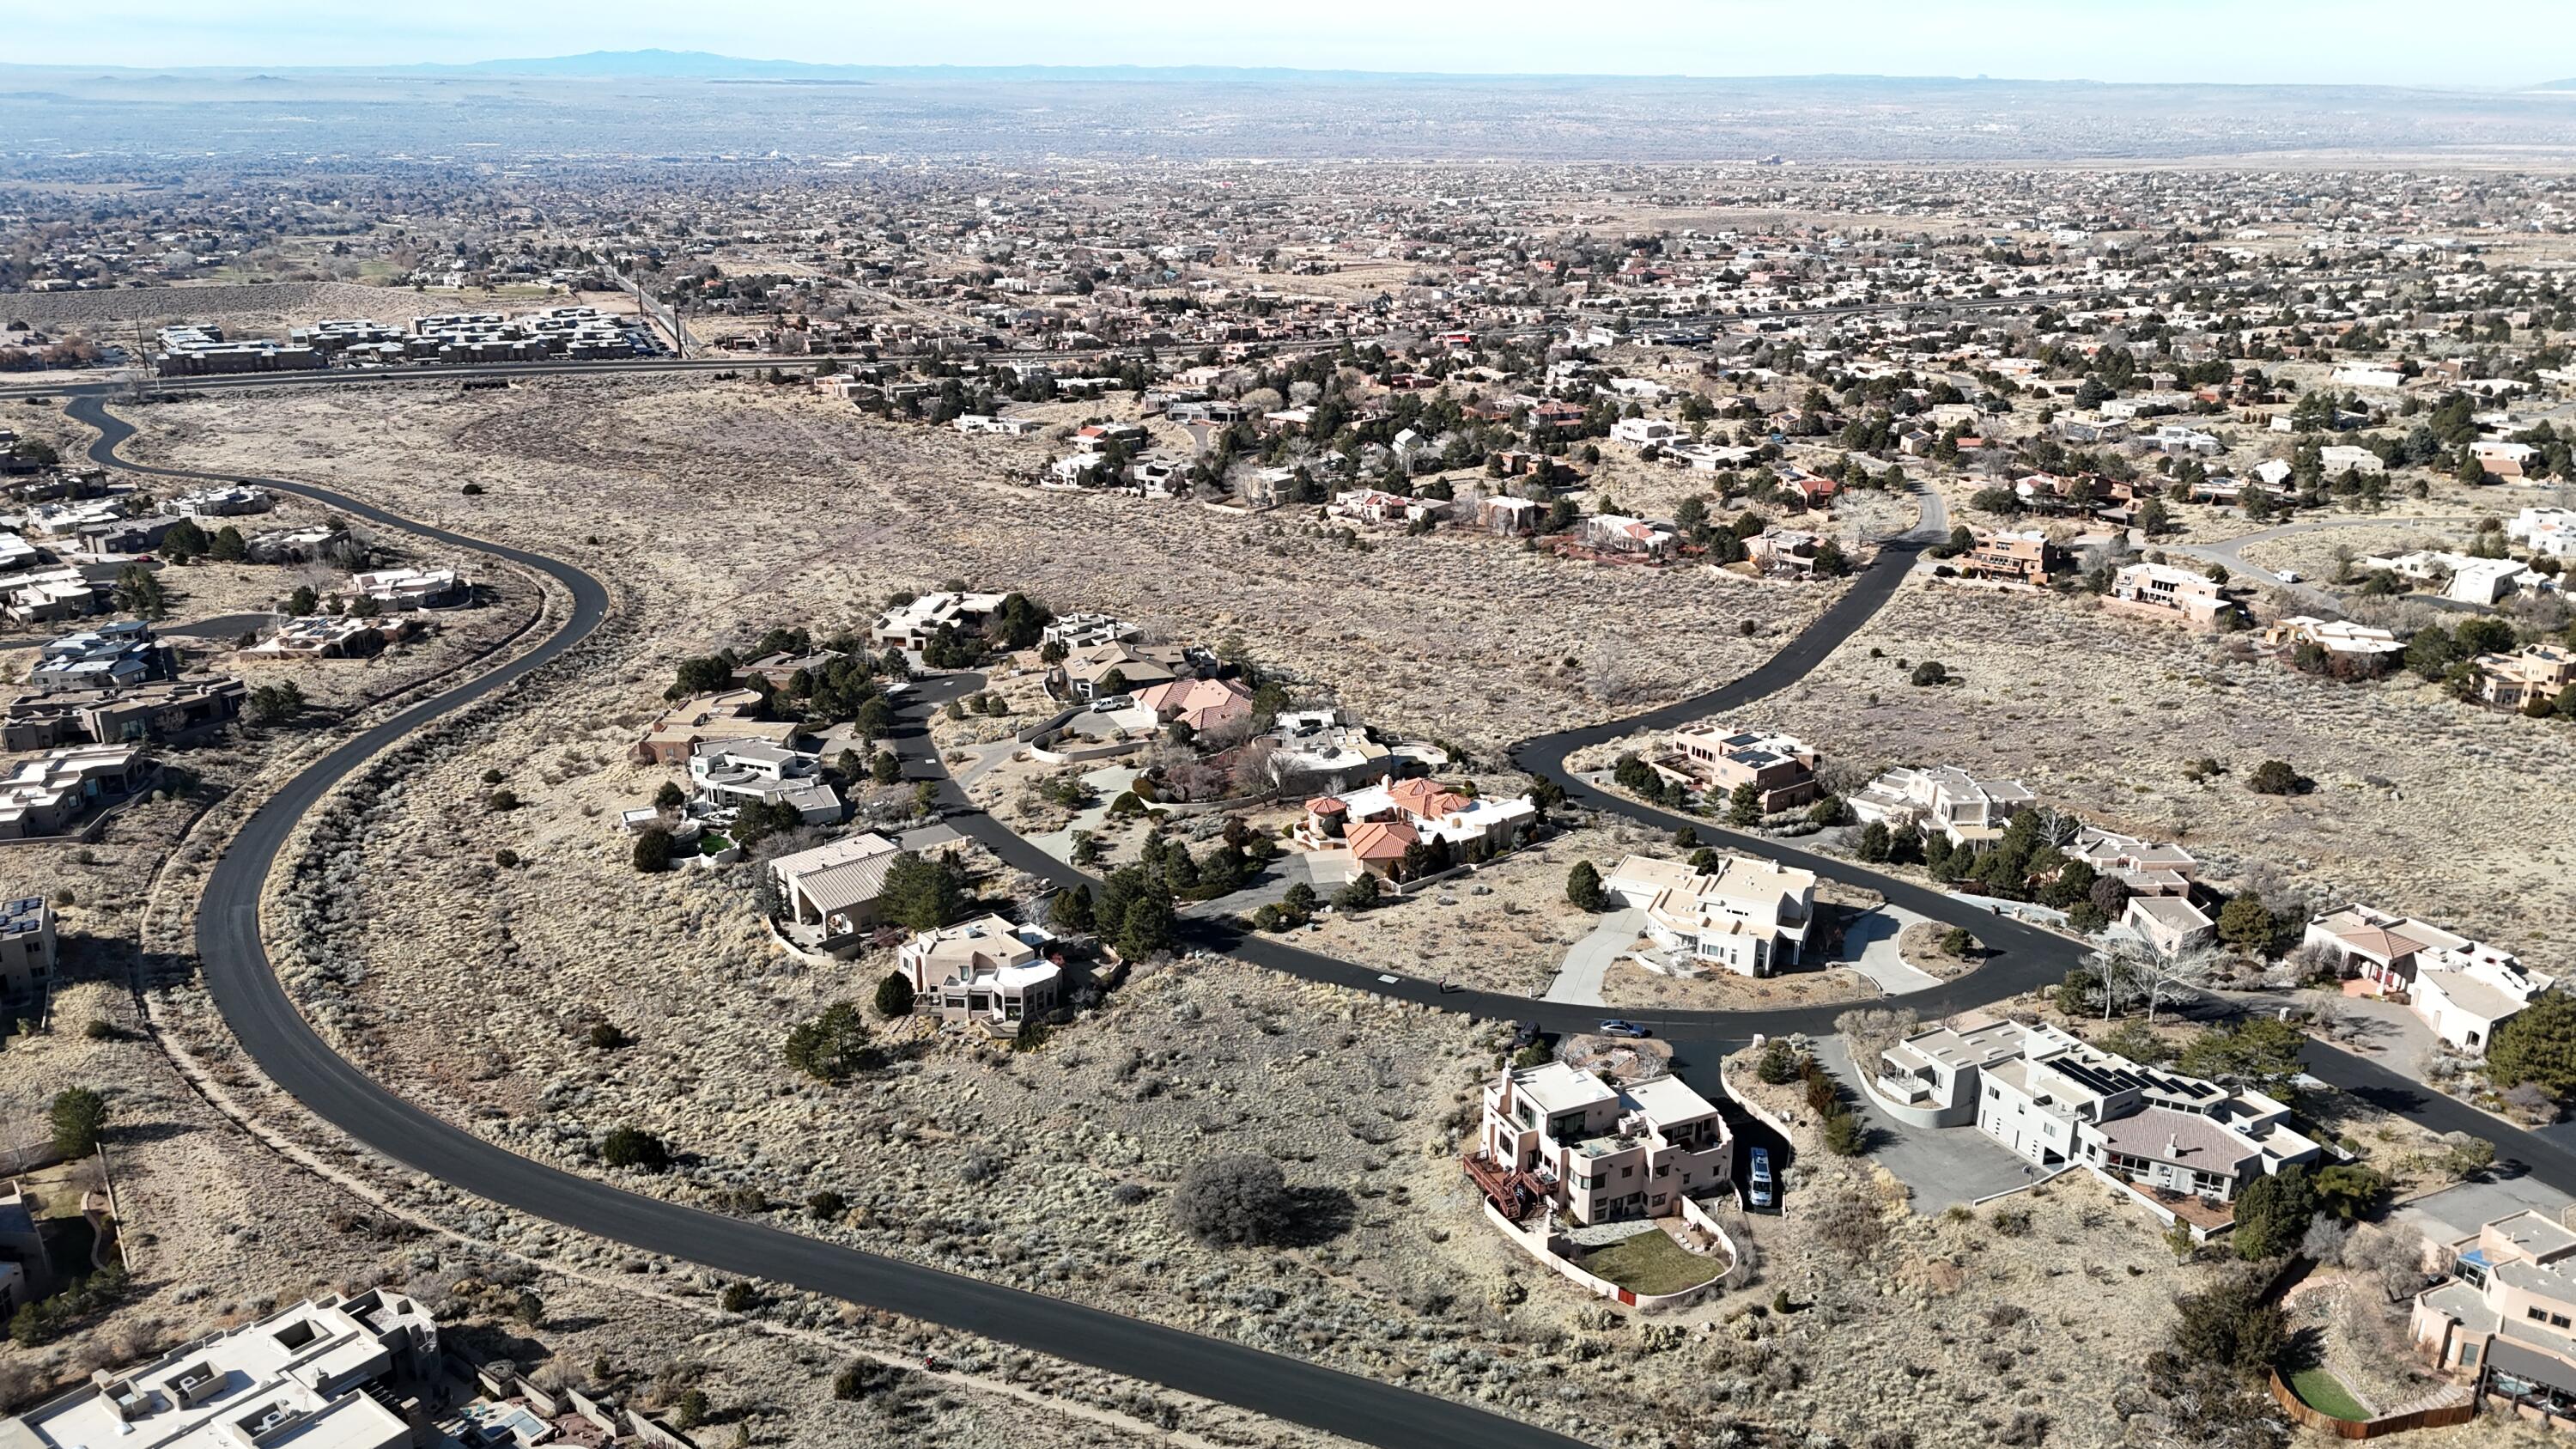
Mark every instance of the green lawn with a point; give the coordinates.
(2326, 1394)
(1650, 1263)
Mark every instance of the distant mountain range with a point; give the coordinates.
(706, 65)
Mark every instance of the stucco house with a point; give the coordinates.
(1553, 1136)
(2463, 989)
(987, 972)
(1748, 916)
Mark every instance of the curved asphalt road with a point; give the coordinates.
(2020, 957)
(265, 1020)
(246, 989)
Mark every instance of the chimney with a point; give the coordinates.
(2173, 1146)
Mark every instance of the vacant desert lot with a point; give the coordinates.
(2420, 804)
(717, 508)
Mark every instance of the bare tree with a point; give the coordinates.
(2134, 971)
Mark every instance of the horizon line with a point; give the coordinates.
(500, 65)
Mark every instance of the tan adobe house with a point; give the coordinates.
(2505, 1321)
(1716, 763)
(2023, 556)
(730, 714)
(2539, 673)
(1557, 1138)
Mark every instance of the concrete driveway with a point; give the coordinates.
(1945, 1166)
(2390, 1034)
(1578, 981)
(2458, 1212)
(1869, 947)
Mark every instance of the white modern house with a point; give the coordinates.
(320, 1374)
(729, 774)
(2463, 989)
(1950, 800)
(986, 971)
(1748, 916)
(2058, 1102)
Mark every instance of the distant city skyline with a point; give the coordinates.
(2381, 42)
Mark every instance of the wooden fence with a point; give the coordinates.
(2438, 1416)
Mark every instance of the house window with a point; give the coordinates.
(2558, 1320)
(2536, 1315)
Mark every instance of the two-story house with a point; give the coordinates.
(1969, 811)
(1556, 1137)
(2060, 1102)
(1717, 762)
(1746, 915)
(2505, 1321)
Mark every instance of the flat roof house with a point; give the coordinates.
(987, 971)
(413, 588)
(2023, 556)
(2534, 675)
(319, 1374)
(27, 949)
(1968, 810)
(1554, 1137)
(2163, 591)
(1717, 763)
(2335, 636)
(729, 774)
(49, 794)
(2059, 1102)
(1746, 915)
(2505, 1321)
(730, 714)
(911, 626)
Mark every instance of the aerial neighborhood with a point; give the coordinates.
(705, 753)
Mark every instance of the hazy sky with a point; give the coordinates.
(2404, 42)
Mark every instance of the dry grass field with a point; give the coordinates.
(714, 510)
(2420, 804)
